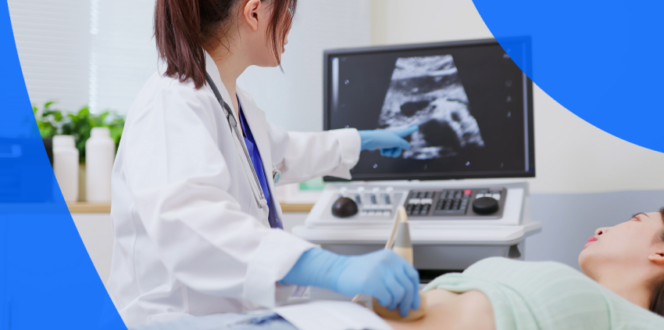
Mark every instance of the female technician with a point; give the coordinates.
(197, 228)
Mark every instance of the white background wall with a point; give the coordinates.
(571, 155)
(294, 98)
(56, 43)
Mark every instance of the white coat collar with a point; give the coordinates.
(212, 69)
(256, 121)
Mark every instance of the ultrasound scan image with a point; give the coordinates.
(427, 91)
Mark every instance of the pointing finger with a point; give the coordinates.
(407, 131)
(403, 144)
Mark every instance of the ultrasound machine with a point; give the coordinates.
(462, 181)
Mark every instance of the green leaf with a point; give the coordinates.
(57, 115)
(84, 111)
(116, 134)
(51, 121)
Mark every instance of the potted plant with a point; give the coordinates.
(49, 122)
(79, 124)
(52, 122)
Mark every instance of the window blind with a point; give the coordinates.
(101, 52)
(53, 42)
(78, 52)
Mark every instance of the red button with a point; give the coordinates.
(467, 192)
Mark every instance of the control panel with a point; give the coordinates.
(420, 204)
(455, 202)
(374, 203)
(452, 223)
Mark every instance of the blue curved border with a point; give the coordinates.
(47, 280)
(602, 60)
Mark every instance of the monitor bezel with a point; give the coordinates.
(328, 54)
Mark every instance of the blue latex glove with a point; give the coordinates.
(382, 274)
(390, 142)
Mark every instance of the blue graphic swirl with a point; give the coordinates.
(602, 60)
(47, 280)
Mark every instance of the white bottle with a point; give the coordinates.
(99, 157)
(65, 166)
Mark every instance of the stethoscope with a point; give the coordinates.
(232, 122)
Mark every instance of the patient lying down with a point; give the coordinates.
(623, 287)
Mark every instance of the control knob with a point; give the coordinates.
(344, 207)
(485, 205)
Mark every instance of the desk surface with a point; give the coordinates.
(85, 207)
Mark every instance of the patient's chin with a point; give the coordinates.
(583, 260)
(591, 263)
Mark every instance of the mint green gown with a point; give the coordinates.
(547, 295)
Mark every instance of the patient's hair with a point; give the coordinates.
(657, 301)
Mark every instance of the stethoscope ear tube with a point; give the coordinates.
(232, 123)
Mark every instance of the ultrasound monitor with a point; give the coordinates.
(472, 103)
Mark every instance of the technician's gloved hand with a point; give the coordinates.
(382, 274)
(390, 142)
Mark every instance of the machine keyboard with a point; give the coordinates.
(446, 202)
(453, 202)
(427, 203)
(379, 204)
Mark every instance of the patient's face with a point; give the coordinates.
(628, 244)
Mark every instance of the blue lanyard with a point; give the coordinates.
(257, 162)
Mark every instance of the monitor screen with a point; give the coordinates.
(472, 103)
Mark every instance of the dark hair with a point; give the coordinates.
(657, 301)
(182, 27)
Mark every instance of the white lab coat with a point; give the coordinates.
(189, 236)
